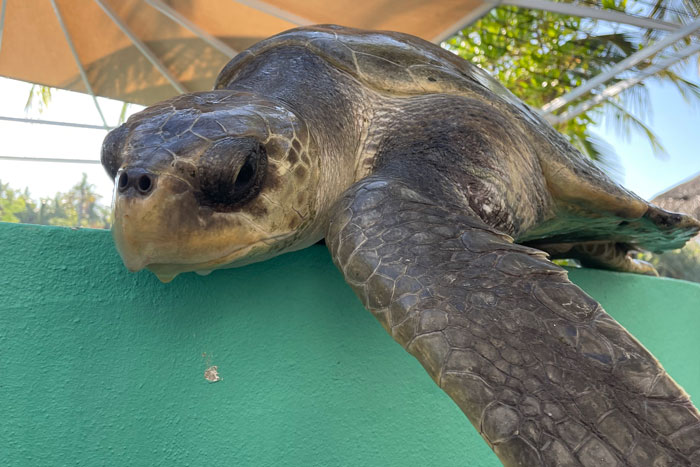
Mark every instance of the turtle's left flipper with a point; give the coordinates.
(604, 255)
(544, 374)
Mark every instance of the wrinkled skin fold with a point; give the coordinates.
(441, 198)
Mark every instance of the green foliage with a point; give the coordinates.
(540, 55)
(678, 264)
(79, 207)
(13, 203)
(39, 96)
(122, 113)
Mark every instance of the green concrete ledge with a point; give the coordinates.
(102, 367)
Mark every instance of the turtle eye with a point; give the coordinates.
(247, 174)
(231, 172)
(112, 146)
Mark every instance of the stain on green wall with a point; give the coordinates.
(102, 367)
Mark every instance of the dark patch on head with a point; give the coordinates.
(296, 145)
(300, 172)
(301, 197)
(256, 208)
(185, 169)
(276, 148)
(293, 157)
(272, 179)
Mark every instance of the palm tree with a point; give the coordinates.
(540, 55)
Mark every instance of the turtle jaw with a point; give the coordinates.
(168, 232)
(167, 272)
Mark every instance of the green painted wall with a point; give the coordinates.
(102, 367)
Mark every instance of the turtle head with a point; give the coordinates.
(210, 180)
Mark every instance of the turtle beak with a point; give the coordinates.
(149, 212)
(159, 225)
(165, 278)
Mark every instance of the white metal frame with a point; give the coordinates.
(620, 86)
(53, 122)
(193, 28)
(49, 159)
(678, 32)
(2, 20)
(78, 63)
(276, 12)
(467, 20)
(595, 13)
(558, 7)
(143, 48)
(623, 65)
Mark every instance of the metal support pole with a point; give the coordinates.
(52, 122)
(2, 20)
(595, 13)
(143, 48)
(193, 28)
(276, 12)
(623, 65)
(49, 159)
(562, 8)
(617, 88)
(83, 75)
(467, 20)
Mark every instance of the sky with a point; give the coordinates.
(36, 140)
(676, 122)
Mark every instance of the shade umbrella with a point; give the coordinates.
(143, 51)
(684, 197)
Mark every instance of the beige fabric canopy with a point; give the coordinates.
(121, 44)
(684, 197)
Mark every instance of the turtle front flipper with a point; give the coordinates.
(541, 370)
(605, 255)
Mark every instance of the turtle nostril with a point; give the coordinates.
(145, 183)
(136, 179)
(123, 181)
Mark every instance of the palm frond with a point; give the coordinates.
(601, 152)
(38, 94)
(619, 43)
(672, 11)
(122, 114)
(625, 123)
(689, 91)
(637, 100)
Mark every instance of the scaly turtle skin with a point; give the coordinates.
(425, 177)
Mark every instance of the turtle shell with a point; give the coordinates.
(590, 206)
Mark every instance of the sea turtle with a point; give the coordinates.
(439, 195)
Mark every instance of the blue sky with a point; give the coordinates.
(677, 124)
